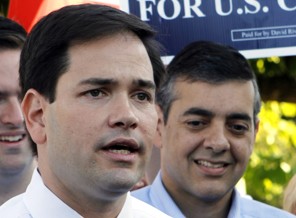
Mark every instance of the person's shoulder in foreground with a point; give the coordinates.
(17, 207)
(253, 208)
(38, 201)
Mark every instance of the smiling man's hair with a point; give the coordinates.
(206, 62)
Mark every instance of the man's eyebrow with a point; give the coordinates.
(239, 116)
(144, 83)
(97, 81)
(3, 92)
(198, 111)
(7, 94)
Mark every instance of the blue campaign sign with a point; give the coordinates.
(258, 28)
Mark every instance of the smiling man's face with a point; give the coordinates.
(15, 150)
(207, 140)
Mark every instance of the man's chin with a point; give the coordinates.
(124, 180)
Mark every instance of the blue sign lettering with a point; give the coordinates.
(244, 24)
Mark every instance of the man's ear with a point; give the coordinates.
(160, 124)
(257, 126)
(256, 129)
(33, 106)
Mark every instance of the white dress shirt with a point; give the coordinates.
(39, 202)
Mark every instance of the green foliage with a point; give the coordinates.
(275, 66)
(272, 163)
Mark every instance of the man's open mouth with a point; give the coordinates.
(121, 149)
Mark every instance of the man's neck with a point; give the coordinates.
(108, 209)
(207, 210)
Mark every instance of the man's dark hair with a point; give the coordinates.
(44, 57)
(12, 34)
(207, 62)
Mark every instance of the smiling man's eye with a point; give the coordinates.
(238, 128)
(3, 97)
(143, 97)
(196, 124)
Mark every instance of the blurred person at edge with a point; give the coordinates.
(17, 161)
(208, 107)
(151, 171)
(88, 74)
(289, 199)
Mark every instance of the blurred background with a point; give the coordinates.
(273, 161)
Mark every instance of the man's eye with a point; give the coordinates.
(195, 124)
(3, 98)
(239, 129)
(143, 97)
(95, 93)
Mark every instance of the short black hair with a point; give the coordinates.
(208, 62)
(44, 57)
(12, 34)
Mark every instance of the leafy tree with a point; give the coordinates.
(276, 78)
(273, 163)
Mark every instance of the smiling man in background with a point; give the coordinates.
(209, 105)
(16, 157)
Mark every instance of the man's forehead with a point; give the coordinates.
(227, 97)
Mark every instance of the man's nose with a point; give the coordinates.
(216, 139)
(12, 113)
(123, 114)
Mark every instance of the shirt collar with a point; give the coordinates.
(235, 205)
(126, 211)
(162, 199)
(41, 202)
